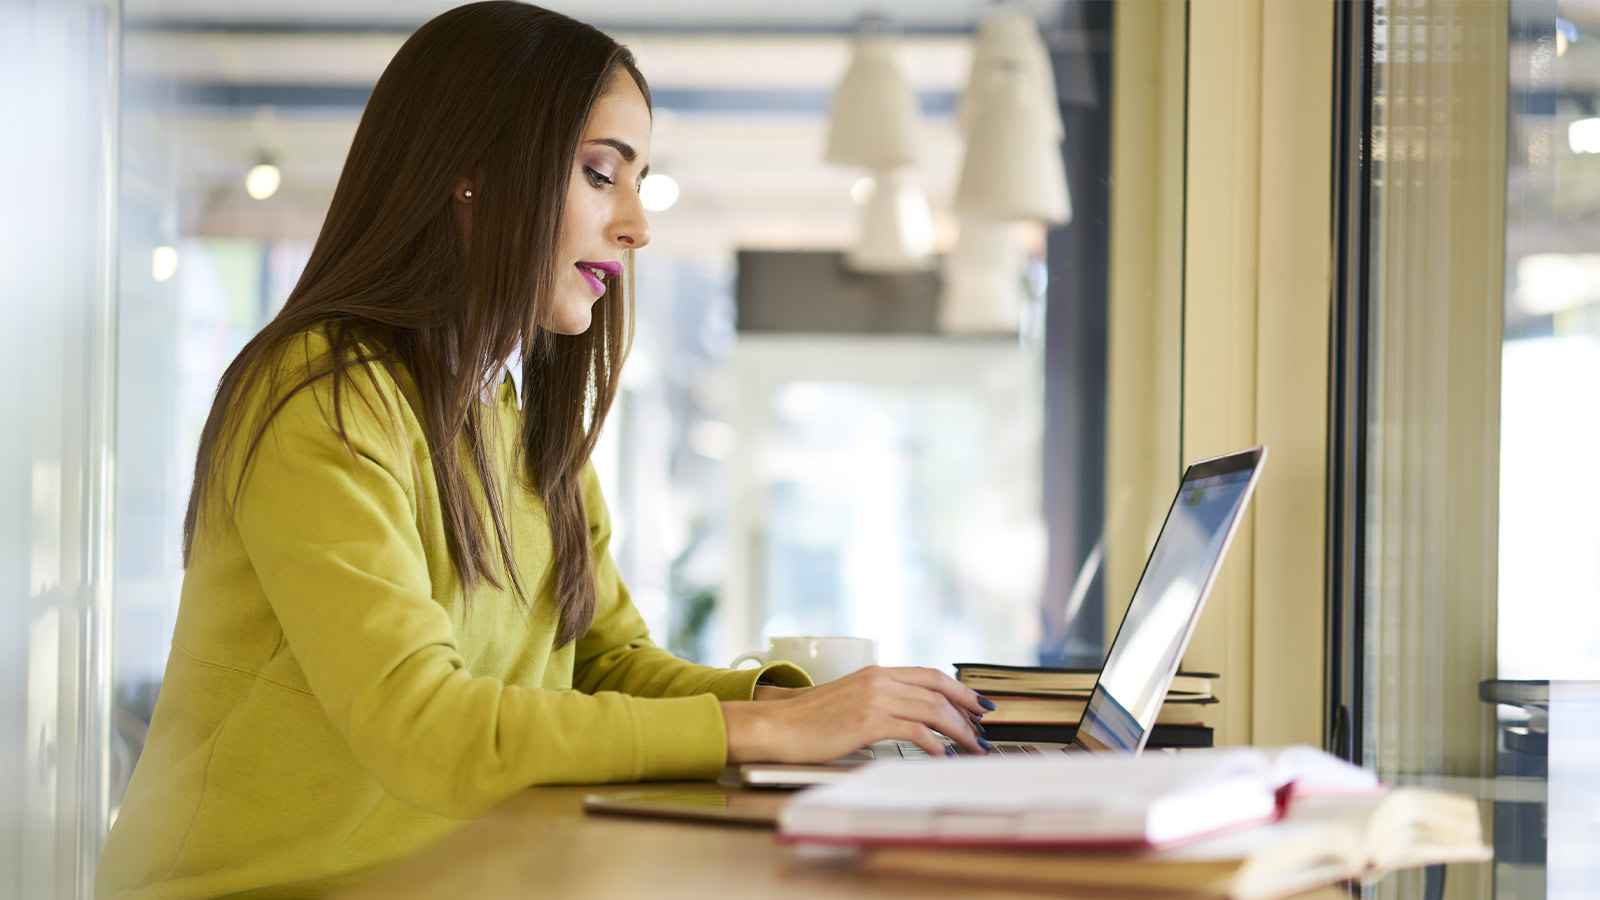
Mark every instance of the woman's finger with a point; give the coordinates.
(923, 737)
(933, 710)
(934, 680)
(939, 692)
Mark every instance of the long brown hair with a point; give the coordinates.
(498, 93)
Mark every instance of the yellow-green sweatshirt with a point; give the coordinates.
(330, 703)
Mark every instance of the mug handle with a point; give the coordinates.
(760, 659)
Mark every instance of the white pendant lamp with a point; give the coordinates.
(1009, 39)
(984, 243)
(1013, 167)
(991, 304)
(874, 122)
(896, 229)
(983, 290)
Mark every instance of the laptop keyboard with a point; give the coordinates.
(1002, 750)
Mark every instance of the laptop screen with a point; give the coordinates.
(1150, 643)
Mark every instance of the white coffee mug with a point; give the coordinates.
(823, 658)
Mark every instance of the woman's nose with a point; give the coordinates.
(632, 228)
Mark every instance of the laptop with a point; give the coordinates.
(1149, 644)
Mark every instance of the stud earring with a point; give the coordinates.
(466, 195)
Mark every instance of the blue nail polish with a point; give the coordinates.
(985, 745)
(949, 751)
(986, 703)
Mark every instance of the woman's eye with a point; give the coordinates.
(595, 178)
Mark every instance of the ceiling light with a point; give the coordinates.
(263, 180)
(658, 192)
(164, 263)
(1013, 167)
(984, 243)
(1009, 39)
(897, 228)
(874, 121)
(983, 290)
(1583, 135)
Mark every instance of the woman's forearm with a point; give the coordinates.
(773, 692)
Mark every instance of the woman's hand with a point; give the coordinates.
(873, 704)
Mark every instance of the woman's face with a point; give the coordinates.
(603, 215)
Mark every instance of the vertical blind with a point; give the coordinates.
(1438, 135)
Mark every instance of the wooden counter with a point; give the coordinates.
(540, 844)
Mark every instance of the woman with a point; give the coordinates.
(399, 608)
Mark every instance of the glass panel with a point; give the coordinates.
(1437, 164)
(1549, 483)
(1482, 638)
(58, 88)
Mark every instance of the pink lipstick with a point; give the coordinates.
(593, 272)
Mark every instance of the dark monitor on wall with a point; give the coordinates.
(814, 292)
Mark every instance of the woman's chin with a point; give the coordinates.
(572, 319)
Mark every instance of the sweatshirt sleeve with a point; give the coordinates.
(616, 654)
(331, 533)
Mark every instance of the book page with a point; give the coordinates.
(1313, 771)
(1067, 783)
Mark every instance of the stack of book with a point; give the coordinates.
(1237, 823)
(1040, 703)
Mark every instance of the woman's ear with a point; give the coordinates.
(463, 191)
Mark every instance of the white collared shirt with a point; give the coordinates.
(513, 367)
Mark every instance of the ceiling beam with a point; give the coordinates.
(211, 97)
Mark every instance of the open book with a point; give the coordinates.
(1321, 840)
(1152, 800)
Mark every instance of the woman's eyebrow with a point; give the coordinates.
(623, 147)
(626, 149)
